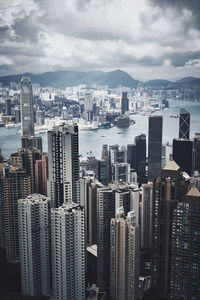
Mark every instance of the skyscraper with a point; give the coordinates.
(8, 107)
(140, 142)
(41, 174)
(34, 244)
(132, 156)
(196, 153)
(184, 124)
(68, 252)
(182, 154)
(88, 106)
(26, 158)
(14, 184)
(124, 257)
(146, 215)
(122, 199)
(17, 115)
(155, 147)
(63, 156)
(92, 186)
(185, 250)
(26, 106)
(121, 172)
(105, 211)
(124, 103)
(168, 190)
(30, 142)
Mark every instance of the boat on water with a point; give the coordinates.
(105, 125)
(83, 125)
(122, 121)
(13, 125)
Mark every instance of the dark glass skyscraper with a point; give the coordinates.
(105, 211)
(182, 154)
(124, 103)
(140, 142)
(168, 190)
(155, 147)
(196, 153)
(132, 156)
(8, 107)
(185, 250)
(26, 103)
(184, 124)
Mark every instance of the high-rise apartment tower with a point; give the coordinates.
(124, 257)
(63, 157)
(34, 244)
(68, 252)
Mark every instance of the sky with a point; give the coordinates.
(149, 39)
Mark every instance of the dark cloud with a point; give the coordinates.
(42, 35)
(26, 29)
(178, 5)
(4, 32)
(181, 59)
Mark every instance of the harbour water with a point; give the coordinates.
(10, 140)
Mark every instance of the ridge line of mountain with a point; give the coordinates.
(112, 79)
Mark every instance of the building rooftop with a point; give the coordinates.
(33, 199)
(193, 192)
(183, 111)
(92, 249)
(67, 207)
(171, 165)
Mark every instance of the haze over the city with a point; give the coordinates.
(146, 38)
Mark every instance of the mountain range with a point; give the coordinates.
(62, 79)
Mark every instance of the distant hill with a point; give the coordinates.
(61, 79)
(158, 83)
(186, 82)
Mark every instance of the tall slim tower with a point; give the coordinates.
(124, 257)
(14, 184)
(92, 186)
(88, 106)
(155, 147)
(34, 243)
(41, 175)
(196, 153)
(182, 154)
(26, 104)
(132, 156)
(124, 103)
(184, 124)
(63, 156)
(185, 250)
(140, 142)
(146, 215)
(105, 211)
(68, 252)
(168, 190)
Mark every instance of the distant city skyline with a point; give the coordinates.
(149, 39)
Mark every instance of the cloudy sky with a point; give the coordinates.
(147, 38)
